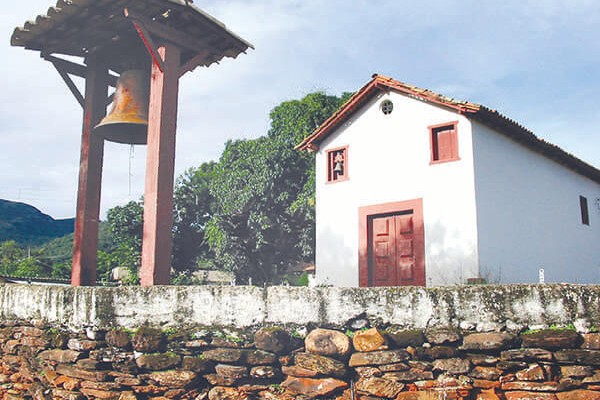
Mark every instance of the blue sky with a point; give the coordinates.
(537, 62)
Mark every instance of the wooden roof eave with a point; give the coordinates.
(34, 34)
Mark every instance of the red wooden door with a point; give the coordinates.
(392, 257)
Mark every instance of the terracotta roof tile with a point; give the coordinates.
(477, 112)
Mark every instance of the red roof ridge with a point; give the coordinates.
(485, 115)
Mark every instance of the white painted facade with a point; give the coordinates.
(529, 215)
(500, 212)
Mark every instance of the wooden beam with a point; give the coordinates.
(70, 84)
(85, 243)
(160, 163)
(72, 68)
(193, 62)
(166, 33)
(147, 39)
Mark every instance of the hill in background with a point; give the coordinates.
(27, 225)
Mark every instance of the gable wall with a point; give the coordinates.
(389, 161)
(529, 215)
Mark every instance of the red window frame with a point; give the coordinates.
(443, 148)
(333, 154)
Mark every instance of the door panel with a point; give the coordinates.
(384, 253)
(392, 244)
(393, 254)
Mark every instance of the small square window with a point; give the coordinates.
(585, 213)
(444, 142)
(337, 164)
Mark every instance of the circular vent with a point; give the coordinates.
(387, 107)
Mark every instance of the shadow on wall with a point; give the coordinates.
(337, 262)
(450, 261)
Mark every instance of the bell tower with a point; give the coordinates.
(142, 48)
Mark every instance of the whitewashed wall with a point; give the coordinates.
(389, 161)
(529, 215)
(483, 307)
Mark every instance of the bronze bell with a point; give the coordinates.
(127, 121)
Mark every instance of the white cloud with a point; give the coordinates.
(535, 61)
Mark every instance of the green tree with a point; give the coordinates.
(264, 194)
(10, 254)
(125, 225)
(192, 208)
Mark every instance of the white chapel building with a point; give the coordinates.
(414, 188)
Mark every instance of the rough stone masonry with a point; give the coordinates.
(480, 343)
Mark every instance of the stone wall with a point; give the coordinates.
(61, 343)
(482, 308)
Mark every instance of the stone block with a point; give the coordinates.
(148, 340)
(60, 356)
(196, 344)
(378, 357)
(173, 378)
(443, 336)
(118, 338)
(404, 338)
(260, 357)
(273, 339)
(224, 355)
(368, 372)
(264, 372)
(580, 394)
(328, 342)
(411, 375)
(100, 394)
(66, 395)
(454, 366)
(234, 372)
(369, 340)
(295, 370)
(197, 364)
(226, 393)
(531, 386)
(90, 364)
(491, 341)
(436, 352)
(534, 372)
(79, 373)
(526, 355)
(379, 387)
(552, 339)
(157, 362)
(576, 371)
(482, 359)
(585, 357)
(100, 385)
(486, 373)
(82, 344)
(217, 380)
(321, 364)
(522, 395)
(591, 341)
(403, 367)
(313, 388)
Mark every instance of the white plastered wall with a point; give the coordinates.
(529, 215)
(389, 161)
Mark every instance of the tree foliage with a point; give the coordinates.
(264, 194)
(252, 212)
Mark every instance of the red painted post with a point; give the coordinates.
(85, 244)
(160, 164)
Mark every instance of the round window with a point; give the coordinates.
(387, 107)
